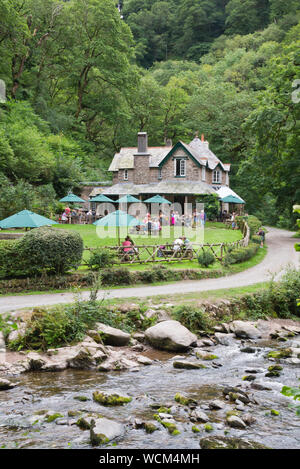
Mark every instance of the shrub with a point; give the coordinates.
(206, 258)
(254, 224)
(51, 250)
(278, 300)
(51, 328)
(240, 254)
(121, 276)
(256, 239)
(8, 259)
(195, 319)
(211, 205)
(101, 258)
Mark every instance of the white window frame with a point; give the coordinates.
(159, 173)
(203, 176)
(182, 167)
(125, 174)
(216, 176)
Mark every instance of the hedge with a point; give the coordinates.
(240, 254)
(51, 250)
(110, 277)
(253, 222)
(40, 251)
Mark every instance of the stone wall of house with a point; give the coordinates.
(142, 170)
(193, 171)
(120, 176)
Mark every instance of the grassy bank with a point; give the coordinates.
(125, 277)
(67, 324)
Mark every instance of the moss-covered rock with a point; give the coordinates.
(223, 442)
(184, 400)
(283, 353)
(170, 426)
(74, 413)
(104, 430)
(275, 368)
(249, 378)
(195, 429)
(110, 399)
(272, 374)
(81, 398)
(208, 427)
(52, 417)
(149, 427)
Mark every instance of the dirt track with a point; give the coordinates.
(280, 255)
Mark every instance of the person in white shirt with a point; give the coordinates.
(177, 244)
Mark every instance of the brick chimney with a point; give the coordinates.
(141, 160)
(142, 143)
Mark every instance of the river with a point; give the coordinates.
(22, 424)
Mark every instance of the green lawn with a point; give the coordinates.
(213, 233)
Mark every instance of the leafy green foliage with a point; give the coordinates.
(240, 254)
(63, 325)
(292, 392)
(101, 258)
(278, 300)
(206, 258)
(211, 205)
(195, 319)
(51, 250)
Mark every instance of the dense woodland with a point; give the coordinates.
(84, 76)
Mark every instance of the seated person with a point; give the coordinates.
(128, 249)
(160, 251)
(187, 243)
(177, 244)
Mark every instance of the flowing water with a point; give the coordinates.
(22, 427)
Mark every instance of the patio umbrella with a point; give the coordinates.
(72, 198)
(157, 199)
(25, 219)
(101, 198)
(128, 199)
(118, 219)
(231, 199)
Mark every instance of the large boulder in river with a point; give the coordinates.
(110, 335)
(245, 330)
(171, 336)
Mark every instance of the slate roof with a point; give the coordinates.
(198, 149)
(162, 187)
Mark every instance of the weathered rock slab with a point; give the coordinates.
(171, 336)
(104, 430)
(110, 335)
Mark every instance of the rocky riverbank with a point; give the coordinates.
(154, 387)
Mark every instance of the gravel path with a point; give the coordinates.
(280, 255)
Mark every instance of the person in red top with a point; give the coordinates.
(127, 245)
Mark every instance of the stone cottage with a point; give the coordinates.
(177, 172)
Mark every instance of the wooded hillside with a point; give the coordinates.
(83, 77)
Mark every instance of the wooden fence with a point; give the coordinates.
(143, 254)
